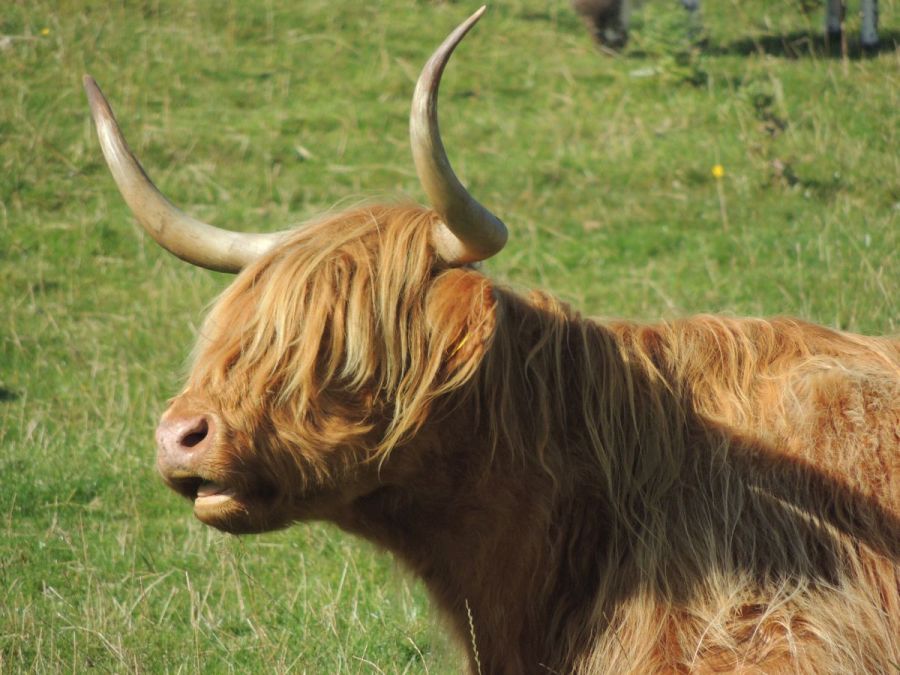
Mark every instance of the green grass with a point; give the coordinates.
(258, 115)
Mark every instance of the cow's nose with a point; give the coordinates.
(181, 441)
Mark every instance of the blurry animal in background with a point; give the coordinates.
(608, 20)
(578, 496)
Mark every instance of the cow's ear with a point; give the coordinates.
(460, 317)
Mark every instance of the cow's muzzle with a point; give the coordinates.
(184, 444)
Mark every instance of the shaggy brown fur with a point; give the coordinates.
(702, 495)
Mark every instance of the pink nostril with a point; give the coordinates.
(196, 435)
(179, 436)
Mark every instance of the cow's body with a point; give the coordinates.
(601, 497)
(578, 496)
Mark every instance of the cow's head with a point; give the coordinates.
(336, 339)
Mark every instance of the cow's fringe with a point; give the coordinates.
(330, 334)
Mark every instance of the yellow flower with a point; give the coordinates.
(45, 32)
(718, 171)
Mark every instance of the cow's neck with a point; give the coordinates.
(479, 523)
(481, 542)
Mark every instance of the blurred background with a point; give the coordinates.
(752, 169)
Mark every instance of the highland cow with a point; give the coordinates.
(608, 20)
(578, 496)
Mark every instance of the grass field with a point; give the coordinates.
(257, 115)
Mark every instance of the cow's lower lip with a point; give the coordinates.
(211, 494)
(213, 500)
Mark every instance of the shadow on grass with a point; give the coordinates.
(8, 395)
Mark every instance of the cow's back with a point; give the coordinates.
(788, 508)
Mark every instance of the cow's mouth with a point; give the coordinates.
(210, 493)
(204, 492)
(224, 506)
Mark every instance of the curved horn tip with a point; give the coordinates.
(96, 100)
(91, 88)
(457, 35)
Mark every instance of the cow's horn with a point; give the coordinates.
(189, 239)
(469, 231)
